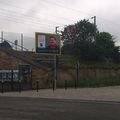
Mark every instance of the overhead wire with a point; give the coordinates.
(57, 4)
(33, 20)
(60, 24)
(11, 19)
(33, 11)
(78, 11)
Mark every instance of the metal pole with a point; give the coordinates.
(77, 82)
(94, 17)
(2, 86)
(21, 42)
(37, 85)
(65, 84)
(55, 66)
(56, 30)
(55, 73)
(95, 26)
(16, 43)
(19, 82)
(12, 80)
(1, 36)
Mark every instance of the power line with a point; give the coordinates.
(37, 23)
(25, 18)
(65, 7)
(13, 20)
(78, 11)
(33, 11)
(59, 5)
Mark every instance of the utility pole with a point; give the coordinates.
(1, 36)
(56, 29)
(94, 17)
(21, 42)
(94, 20)
(16, 43)
(95, 28)
(55, 64)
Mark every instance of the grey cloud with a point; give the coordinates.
(45, 16)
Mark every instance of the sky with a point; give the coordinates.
(30, 16)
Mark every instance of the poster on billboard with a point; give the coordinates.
(46, 43)
(6, 75)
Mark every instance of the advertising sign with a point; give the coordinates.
(15, 75)
(47, 43)
(6, 75)
(24, 72)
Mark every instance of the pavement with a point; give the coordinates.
(24, 108)
(95, 94)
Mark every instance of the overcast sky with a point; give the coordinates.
(30, 16)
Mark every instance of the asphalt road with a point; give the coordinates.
(13, 108)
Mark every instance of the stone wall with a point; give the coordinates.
(8, 62)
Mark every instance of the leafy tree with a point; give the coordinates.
(79, 39)
(105, 45)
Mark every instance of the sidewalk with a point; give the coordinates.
(102, 94)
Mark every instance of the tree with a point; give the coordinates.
(79, 39)
(105, 45)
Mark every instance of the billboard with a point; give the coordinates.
(47, 43)
(24, 72)
(6, 75)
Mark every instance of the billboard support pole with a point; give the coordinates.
(55, 73)
(49, 43)
(55, 65)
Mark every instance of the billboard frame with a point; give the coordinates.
(52, 34)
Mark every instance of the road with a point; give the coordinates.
(16, 108)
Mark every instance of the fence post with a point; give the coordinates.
(77, 75)
(75, 83)
(53, 86)
(37, 83)
(65, 84)
(19, 86)
(2, 87)
(12, 80)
